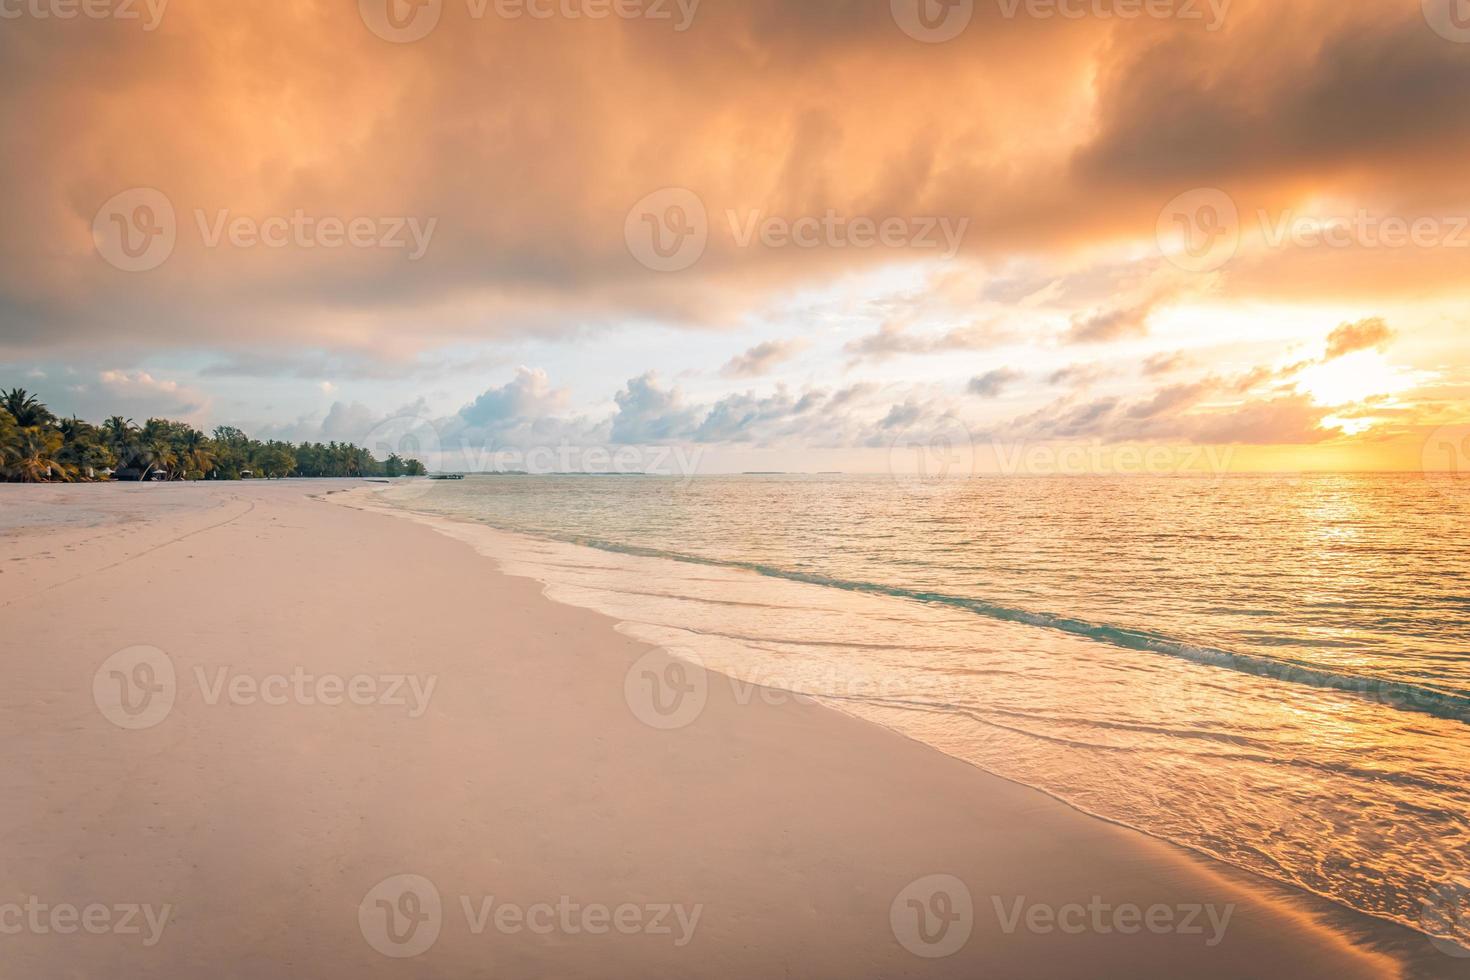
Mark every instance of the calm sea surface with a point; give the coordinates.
(1274, 671)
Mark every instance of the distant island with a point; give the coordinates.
(37, 447)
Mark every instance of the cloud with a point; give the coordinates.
(902, 416)
(649, 414)
(1363, 335)
(1182, 412)
(993, 383)
(138, 394)
(893, 338)
(1108, 325)
(764, 105)
(98, 393)
(858, 415)
(1288, 420)
(762, 358)
(357, 365)
(1328, 91)
(1159, 364)
(740, 418)
(528, 396)
(1171, 400)
(346, 422)
(1060, 140)
(1079, 375)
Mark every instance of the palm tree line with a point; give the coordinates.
(37, 447)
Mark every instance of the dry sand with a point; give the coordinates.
(522, 778)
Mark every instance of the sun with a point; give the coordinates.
(1352, 379)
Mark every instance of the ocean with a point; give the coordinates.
(1274, 671)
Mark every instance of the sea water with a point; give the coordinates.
(1274, 671)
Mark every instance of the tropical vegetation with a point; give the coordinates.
(37, 447)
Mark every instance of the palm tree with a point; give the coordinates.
(157, 454)
(119, 434)
(83, 449)
(153, 449)
(196, 453)
(38, 456)
(36, 447)
(9, 441)
(25, 408)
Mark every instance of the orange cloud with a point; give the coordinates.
(527, 141)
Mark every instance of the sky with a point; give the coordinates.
(863, 235)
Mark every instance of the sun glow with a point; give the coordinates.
(1353, 379)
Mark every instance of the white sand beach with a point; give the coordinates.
(375, 744)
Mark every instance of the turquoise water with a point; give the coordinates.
(1275, 671)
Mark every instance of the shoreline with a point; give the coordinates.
(1409, 949)
(796, 829)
